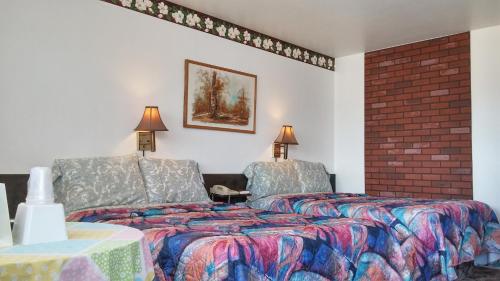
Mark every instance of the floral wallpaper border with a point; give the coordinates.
(196, 20)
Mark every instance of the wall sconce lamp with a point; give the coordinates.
(285, 138)
(150, 123)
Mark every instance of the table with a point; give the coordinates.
(94, 251)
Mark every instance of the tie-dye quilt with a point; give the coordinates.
(458, 230)
(211, 241)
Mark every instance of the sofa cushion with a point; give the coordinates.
(172, 181)
(271, 178)
(94, 182)
(312, 177)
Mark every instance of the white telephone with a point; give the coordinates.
(223, 190)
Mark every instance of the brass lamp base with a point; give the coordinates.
(146, 141)
(277, 150)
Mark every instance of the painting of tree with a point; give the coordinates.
(219, 98)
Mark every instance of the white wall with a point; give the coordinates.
(75, 77)
(349, 123)
(485, 68)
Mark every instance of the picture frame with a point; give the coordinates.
(219, 98)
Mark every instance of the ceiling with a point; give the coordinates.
(342, 27)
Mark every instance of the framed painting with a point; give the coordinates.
(218, 98)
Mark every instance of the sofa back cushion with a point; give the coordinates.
(95, 182)
(271, 178)
(313, 177)
(172, 181)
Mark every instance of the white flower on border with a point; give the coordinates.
(233, 32)
(192, 20)
(321, 61)
(314, 59)
(126, 3)
(330, 62)
(247, 35)
(209, 24)
(143, 5)
(162, 8)
(306, 55)
(288, 51)
(279, 47)
(267, 43)
(178, 16)
(221, 30)
(257, 41)
(296, 53)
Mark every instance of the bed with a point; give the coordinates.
(459, 231)
(216, 241)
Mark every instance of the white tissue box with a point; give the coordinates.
(39, 223)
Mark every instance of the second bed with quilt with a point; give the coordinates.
(458, 231)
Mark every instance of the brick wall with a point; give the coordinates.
(418, 119)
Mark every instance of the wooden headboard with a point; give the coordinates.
(16, 185)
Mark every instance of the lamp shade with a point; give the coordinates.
(151, 120)
(286, 135)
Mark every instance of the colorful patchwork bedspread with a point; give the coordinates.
(228, 242)
(459, 230)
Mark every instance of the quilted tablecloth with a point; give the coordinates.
(93, 251)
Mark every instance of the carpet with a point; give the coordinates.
(468, 272)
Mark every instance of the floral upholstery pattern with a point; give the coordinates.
(270, 178)
(100, 181)
(313, 177)
(172, 181)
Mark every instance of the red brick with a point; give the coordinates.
(413, 176)
(440, 92)
(430, 49)
(450, 177)
(421, 145)
(461, 185)
(413, 189)
(451, 191)
(440, 157)
(440, 196)
(387, 194)
(429, 61)
(441, 184)
(431, 177)
(449, 71)
(429, 164)
(440, 170)
(413, 151)
(404, 194)
(422, 183)
(460, 130)
(451, 164)
(422, 170)
(461, 171)
(431, 190)
(449, 45)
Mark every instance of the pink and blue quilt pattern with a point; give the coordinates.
(227, 242)
(440, 234)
